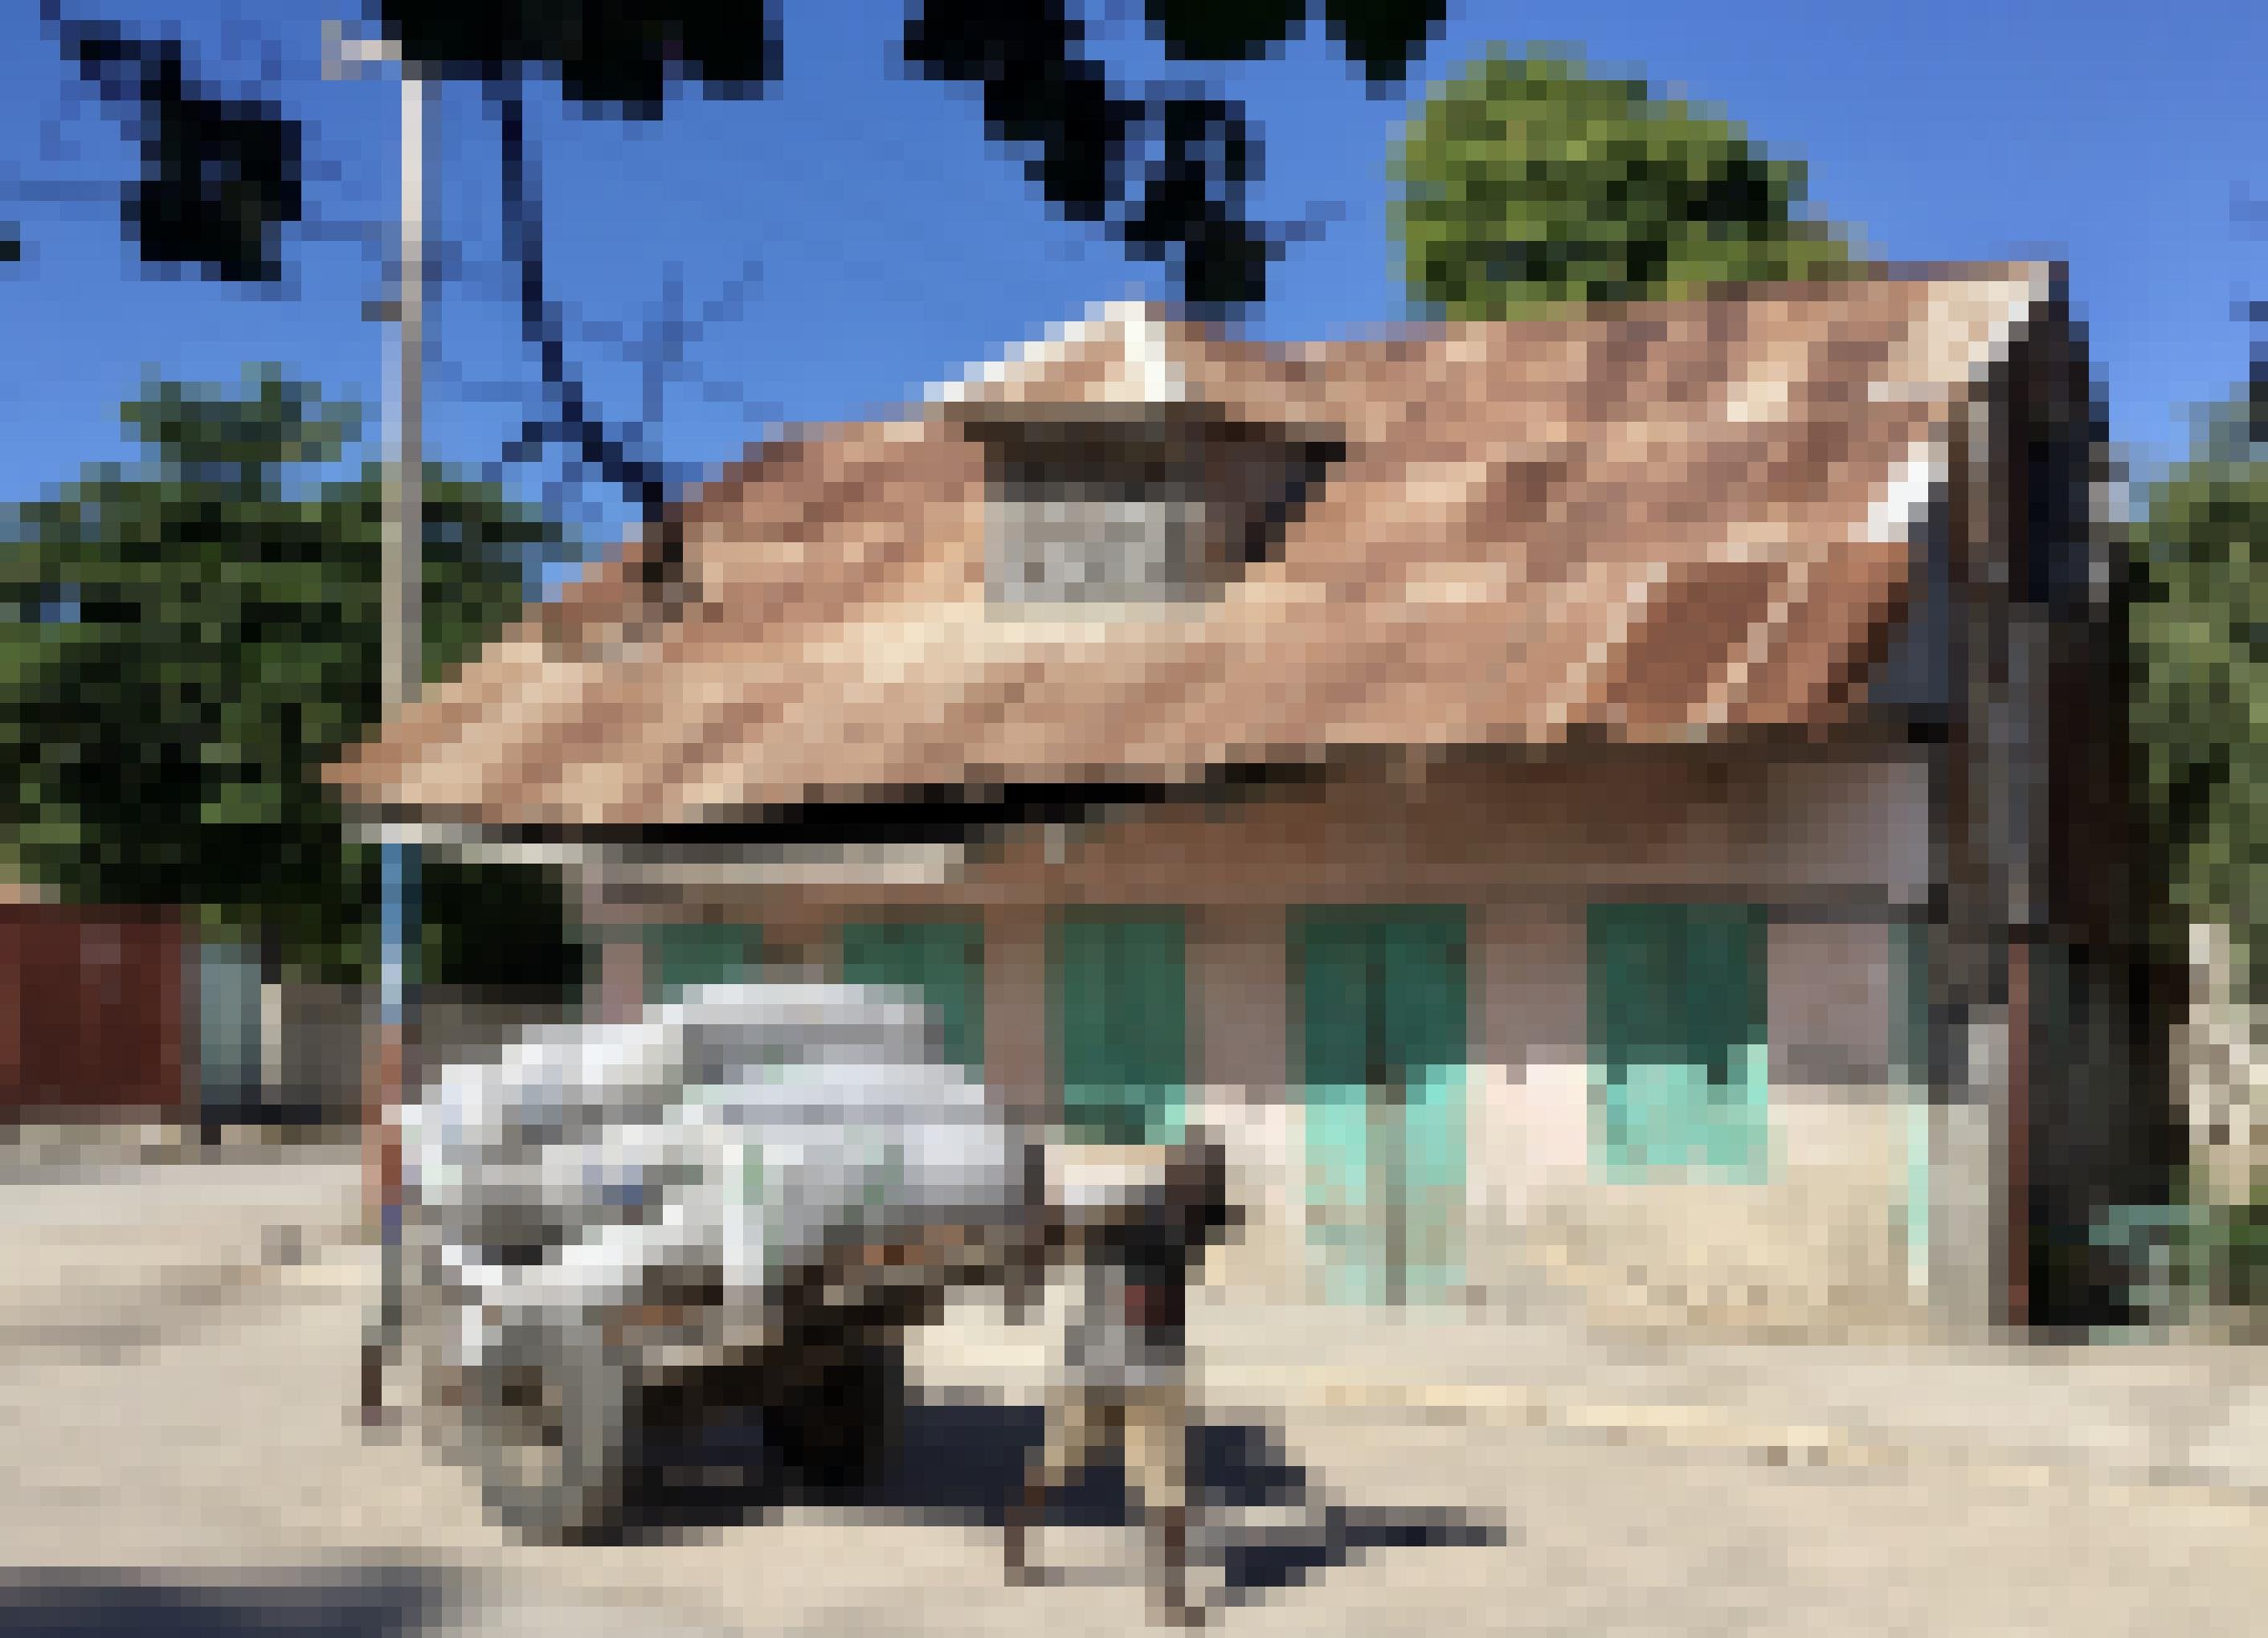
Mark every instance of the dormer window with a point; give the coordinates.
(1116, 514)
(1081, 519)
(1124, 466)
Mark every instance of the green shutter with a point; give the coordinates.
(682, 956)
(1122, 1024)
(1382, 990)
(1725, 963)
(1679, 1066)
(1633, 951)
(943, 960)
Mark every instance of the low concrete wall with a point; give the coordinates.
(2220, 1071)
(1262, 1138)
(1818, 1249)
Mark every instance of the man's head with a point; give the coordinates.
(1197, 1184)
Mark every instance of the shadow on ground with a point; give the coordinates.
(385, 1604)
(961, 1460)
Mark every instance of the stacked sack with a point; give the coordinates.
(741, 1128)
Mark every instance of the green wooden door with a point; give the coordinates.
(1121, 1025)
(1381, 1049)
(681, 955)
(1678, 1060)
(943, 960)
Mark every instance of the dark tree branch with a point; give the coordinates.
(663, 347)
(220, 176)
(2247, 210)
(572, 424)
(1165, 172)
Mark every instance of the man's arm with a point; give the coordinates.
(1043, 1238)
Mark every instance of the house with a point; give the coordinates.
(1631, 801)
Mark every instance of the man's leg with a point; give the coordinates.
(383, 1339)
(1022, 1516)
(1157, 1448)
(1073, 1423)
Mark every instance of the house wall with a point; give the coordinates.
(1835, 844)
(1819, 1243)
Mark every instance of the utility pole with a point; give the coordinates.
(401, 665)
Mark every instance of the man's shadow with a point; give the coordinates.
(961, 1459)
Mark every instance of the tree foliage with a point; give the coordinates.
(1526, 182)
(1164, 168)
(1181, 204)
(163, 741)
(220, 175)
(622, 58)
(2201, 638)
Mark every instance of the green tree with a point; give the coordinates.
(2201, 632)
(1525, 183)
(217, 644)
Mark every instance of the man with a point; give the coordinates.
(1124, 1389)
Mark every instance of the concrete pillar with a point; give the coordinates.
(619, 934)
(1016, 999)
(621, 973)
(1528, 1108)
(1967, 1211)
(1238, 1011)
(1240, 1017)
(272, 1092)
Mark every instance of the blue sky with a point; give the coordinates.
(893, 243)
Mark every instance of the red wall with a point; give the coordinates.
(92, 1011)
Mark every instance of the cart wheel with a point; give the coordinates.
(549, 1430)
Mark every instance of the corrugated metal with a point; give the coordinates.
(90, 1010)
(1654, 523)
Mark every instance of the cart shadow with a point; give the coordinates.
(960, 1461)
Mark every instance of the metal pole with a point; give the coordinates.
(401, 574)
(405, 439)
(389, 1070)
